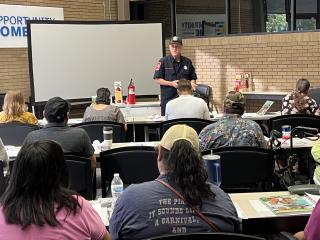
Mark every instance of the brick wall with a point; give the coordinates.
(276, 61)
(14, 67)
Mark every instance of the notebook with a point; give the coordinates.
(266, 106)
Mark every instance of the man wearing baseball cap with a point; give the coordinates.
(153, 209)
(170, 69)
(72, 140)
(232, 130)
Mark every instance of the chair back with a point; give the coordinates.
(2, 179)
(14, 133)
(135, 164)
(294, 120)
(315, 94)
(196, 123)
(207, 236)
(80, 175)
(245, 169)
(204, 91)
(95, 130)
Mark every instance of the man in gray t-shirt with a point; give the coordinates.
(74, 140)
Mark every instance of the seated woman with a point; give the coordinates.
(298, 101)
(102, 110)
(38, 204)
(162, 211)
(14, 109)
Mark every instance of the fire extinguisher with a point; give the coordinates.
(131, 93)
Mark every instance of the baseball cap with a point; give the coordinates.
(56, 109)
(178, 132)
(234, 98)
(176, 39)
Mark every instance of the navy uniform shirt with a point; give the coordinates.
(169, 69)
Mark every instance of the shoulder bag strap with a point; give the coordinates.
(204, 218)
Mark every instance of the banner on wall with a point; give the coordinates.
(13, 27)
(191, 25)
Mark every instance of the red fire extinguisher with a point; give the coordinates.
(131, 93)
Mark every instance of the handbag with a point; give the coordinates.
(203, 217)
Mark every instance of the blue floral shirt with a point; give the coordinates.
(230, 131)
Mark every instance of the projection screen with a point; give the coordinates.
(73, 59)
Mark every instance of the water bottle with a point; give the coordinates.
(107, 138)
(213, 165)
(127, 112)
(116, 186)
(217, 175)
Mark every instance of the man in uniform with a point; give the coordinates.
(170, 69)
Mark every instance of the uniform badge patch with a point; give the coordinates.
(185, 67)
(158, 66)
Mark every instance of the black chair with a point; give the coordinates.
(135, 164)
(80, 175)
(2, 95)
(207, 236)
(196, 123)
(245, 169)
(294, 120)
(203, 91)
(95, 130)
(11, 163)
(315, 94)
(14, 133)
(2, 179)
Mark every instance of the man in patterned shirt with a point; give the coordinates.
(298, 101)
(232, 130)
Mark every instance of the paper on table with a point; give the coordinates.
(312, 198)
(102, 211)
(240, 212)
(261, 209)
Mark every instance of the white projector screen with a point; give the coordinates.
(73, 59)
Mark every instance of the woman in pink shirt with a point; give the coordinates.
(38, 204)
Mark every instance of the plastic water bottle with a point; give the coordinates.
(217, 174)
(213, 165)
(127, 112)
(116, 186)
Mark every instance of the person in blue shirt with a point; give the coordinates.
(170, 69)
(152, 209)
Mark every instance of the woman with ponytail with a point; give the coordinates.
(298, 101)
(175, 201)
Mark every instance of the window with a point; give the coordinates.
(306, 15)
(194, 18)
(278, 16)
(246, 16)
(200, 18)
(153, 11)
